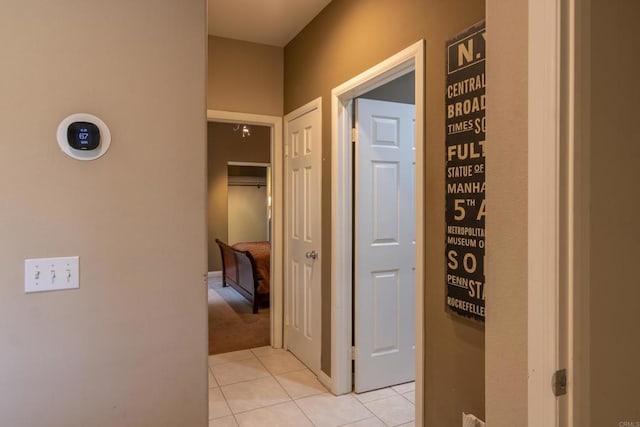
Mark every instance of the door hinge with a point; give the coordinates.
(559, 382)
(353, 353)
(354, 135)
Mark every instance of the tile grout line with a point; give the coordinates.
(295, 401)
(403, 395)
(290, 397)
(272, 375)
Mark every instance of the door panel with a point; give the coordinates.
(385, 312)
(385, 212)
(384, 244)
(302, 281)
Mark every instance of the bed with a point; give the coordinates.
(246, 268)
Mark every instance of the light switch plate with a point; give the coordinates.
(51, 274)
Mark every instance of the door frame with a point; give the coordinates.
(276, 291)
(558, 210)
(409, 59)
(559, 241)
(543, 209)
(576, 330)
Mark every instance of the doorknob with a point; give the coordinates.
(311, 255)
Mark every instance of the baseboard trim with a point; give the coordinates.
(214, 274)
(327, 382)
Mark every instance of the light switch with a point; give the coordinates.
(51, 274)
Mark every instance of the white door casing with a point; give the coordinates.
(543, 219)
(302, 233)
(384, 244)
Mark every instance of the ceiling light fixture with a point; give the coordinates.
(244, 129)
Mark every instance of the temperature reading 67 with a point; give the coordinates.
(462, 205)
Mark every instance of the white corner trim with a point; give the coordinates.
(411, 58)
(543, 209)
(576, 193)
(341, 255)
(277, 163)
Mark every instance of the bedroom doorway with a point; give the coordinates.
(227, 163)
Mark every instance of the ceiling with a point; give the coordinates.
(271, 22)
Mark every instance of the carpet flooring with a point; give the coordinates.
(232, 325)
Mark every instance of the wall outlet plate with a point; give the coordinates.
(51, 274)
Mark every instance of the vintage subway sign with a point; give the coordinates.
(465, 173)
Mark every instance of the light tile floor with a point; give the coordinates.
(265, 387)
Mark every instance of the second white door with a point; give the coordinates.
(384, 245)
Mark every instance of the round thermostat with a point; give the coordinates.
(83, 136)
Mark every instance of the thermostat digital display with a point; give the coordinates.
(83, 136)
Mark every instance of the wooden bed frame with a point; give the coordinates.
(239, 271)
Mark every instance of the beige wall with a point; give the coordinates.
(615, 231)
(244, 77)
(506, 256)
(225, 145)
(347, 38)
(128, 348)
(248, 217)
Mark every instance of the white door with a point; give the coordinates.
(302, 258)
(384, 244)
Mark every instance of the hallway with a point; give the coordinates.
(270, 387)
